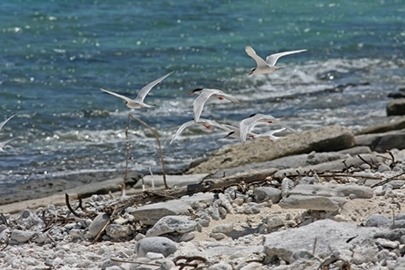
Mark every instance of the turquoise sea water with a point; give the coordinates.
(56, 55)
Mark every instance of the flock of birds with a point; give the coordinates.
(243, 131)
(204, 94)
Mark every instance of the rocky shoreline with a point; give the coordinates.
(330, 199)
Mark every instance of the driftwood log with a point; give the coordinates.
(205, 185)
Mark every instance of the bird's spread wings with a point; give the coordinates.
(181, 128)
(227, 96)
(145, 90)
(259, 61)
(244, 128)
(271, 60)
(5, 121)
(117, 95)
(2, 144)
(199, 102)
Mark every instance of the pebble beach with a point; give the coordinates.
(335, 209)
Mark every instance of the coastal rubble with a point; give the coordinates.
(338, 209)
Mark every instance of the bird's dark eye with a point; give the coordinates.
(252, 115)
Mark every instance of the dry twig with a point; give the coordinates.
(156, 135)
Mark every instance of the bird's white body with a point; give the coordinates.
(268, 66)
(138, 102)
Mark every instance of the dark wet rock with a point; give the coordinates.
(396, 95)
(396, 107)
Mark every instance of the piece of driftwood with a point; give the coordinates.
(205, 186)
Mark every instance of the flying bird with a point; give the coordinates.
(268, 66)
(269, 134)
(204, 95)
(138, 103)
(203, 122)
(247, 124)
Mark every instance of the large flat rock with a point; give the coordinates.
(328, 237)
(331, 138)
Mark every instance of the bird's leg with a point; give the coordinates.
(208, 126)
(220, 98)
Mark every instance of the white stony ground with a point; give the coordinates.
(314, 223)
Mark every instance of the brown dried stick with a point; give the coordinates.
(156, 135)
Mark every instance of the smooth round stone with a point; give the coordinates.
(21, 236)
(98, 224)
(155, 244)
(170, 224)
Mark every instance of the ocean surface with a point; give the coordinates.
(56, 55)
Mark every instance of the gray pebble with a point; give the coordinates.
(223, 228)
(387, 243)
(170, 224)
(98, 224)
(154, 256)
(396, 184)
(220, 266)
(167, 265)
(203, 222)
(274, 222)
(267, 193)
(213, 212)
(379, 221)
(222, 212)
(286, 185)
(3, 227)
(384, 168)
(156, 244)
(117, 231)
(307, 180)
(187, 237)
(301, 254)
(21, 236)
(218, 236)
